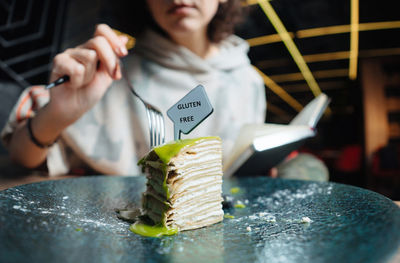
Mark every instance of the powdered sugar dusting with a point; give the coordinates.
(65, 208)
(287, 196)
(21, 208)
(271, 210)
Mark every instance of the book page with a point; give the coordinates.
(246, 136)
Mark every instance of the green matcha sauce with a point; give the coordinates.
(169, 150)
(152, 231)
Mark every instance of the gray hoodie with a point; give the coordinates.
(112, 136)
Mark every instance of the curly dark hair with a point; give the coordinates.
(133, 17)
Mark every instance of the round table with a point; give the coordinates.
(74, 220)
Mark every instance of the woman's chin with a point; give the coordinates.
(185, 27)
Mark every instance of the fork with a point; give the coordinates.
(154, 116)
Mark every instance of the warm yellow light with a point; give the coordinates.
(275, 88)
(258, 41)
(380, 52)
(329, 30)
(340, 29)
(321, 74)
(379, 25)
(340, 55)
(288, 41)
(354, 28)
(321, 31)
(327, 56)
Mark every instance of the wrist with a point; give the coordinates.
(45, 127)
(33, 137)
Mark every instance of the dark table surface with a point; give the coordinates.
(74, 220)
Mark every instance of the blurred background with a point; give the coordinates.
(349, 50)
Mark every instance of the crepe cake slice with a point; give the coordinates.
(184, 186)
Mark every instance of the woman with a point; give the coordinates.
(94, 120)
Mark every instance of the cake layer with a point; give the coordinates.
(186, 224)
(184, 183)
(193, 203)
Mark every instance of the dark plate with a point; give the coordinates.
(73, 220)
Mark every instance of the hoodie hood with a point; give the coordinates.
(153, 46)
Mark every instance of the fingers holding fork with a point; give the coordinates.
(79, 65)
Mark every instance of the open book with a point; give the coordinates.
(260, 147)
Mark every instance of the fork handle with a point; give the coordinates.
(58, 81)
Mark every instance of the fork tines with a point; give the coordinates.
(156, 125)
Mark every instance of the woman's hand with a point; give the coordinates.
(91, 68)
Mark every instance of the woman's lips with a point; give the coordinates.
(181, 9)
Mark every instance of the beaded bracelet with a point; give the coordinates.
(33, 138)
